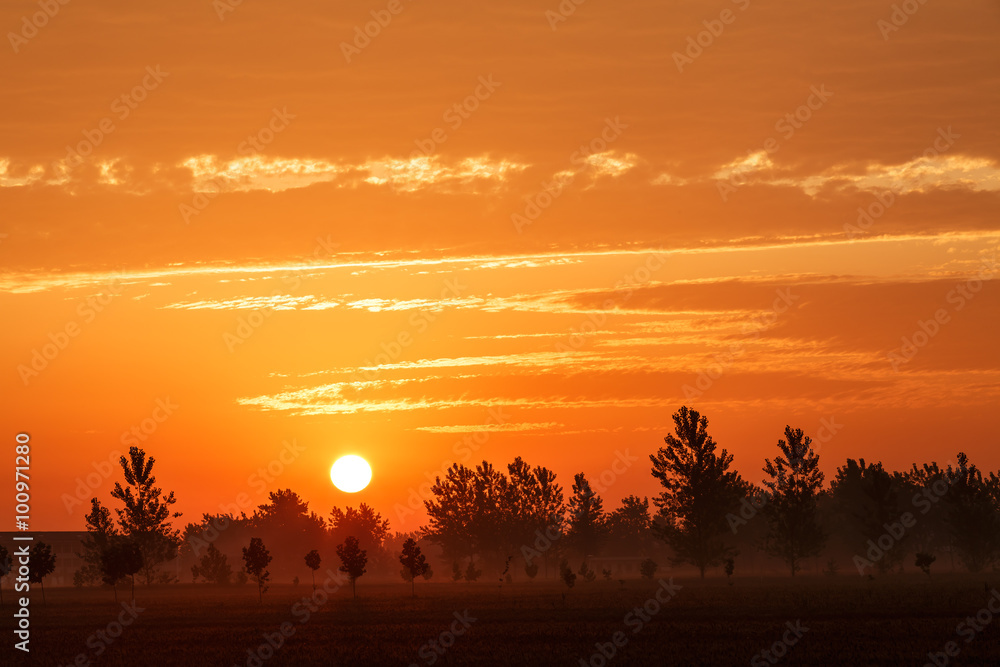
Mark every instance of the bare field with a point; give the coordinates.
(841, 620)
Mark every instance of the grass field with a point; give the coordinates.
(844, 620)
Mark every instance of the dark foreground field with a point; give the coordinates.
(841, 620)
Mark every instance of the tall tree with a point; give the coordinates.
(414, 563)
(974, 515)
(353, 560)
(586, 527)
(101, 531)
(537, 506)
(451, 512)
(312, 562)
(256, 558)
(41, 564)
(794, 484)
(868, 498)
(699, 489)
(146, 515)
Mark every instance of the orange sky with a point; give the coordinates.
(555, 232)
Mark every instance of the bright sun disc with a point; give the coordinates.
(351, 473)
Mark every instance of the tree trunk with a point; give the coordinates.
(702, 569)
(354, 588)
(41, 582)
(260, 593)
(133, 588)
(314, 579)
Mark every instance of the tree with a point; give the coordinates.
(648, 568)
(41, 564)
(730, 564)
(414, 563)
(100, 532)
(364, 524)
(531, 569)
(146, 515)
(794, 484)
(353, 560)
(255, 562)
(630, 528)
(312, 562)
(472, 573)
(699, 489)
(451, 512)
(566, 573)
(586, 526)
(456, 571)
(924, 562)
(213, 567)
(121, 558)
(6, 565)
(587, 573)
(869, 498)
(974, 514)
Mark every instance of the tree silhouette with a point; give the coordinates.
(869, 498)
(312, 562)
(213, 567)
(648, 568)
(586, 527)
(121, 558)
(364, 524)
(794, 484)
(41, 564)
(146, 515)
(699, 489)
(353, 560)
(630, 527)
(924, 562)
(256, 558)
(536, 506)
(974, 515)
(414, 563)
(101, 531)
(566, 573)
(451, 512)
(472, 573)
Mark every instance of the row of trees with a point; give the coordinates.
(483, 517)
(706, 509)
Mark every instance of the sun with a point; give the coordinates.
(351, 473)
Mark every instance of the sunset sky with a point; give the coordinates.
(489, 231)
